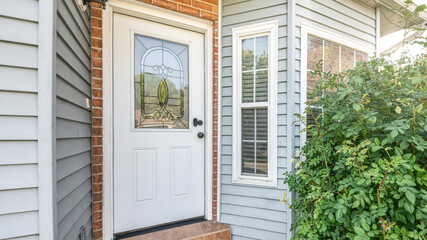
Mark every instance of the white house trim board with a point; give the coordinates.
(148, 12)
(307, 29)
(46, 119)
(261, 29)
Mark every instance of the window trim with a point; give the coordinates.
(238, 34)
(308, 29)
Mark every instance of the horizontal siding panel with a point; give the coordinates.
(13, 54)
(84, 219)
(275, 205)
(278, 227)
(69, 75)
(18, 152)
(67, 110)
(18, 176)
(256, 233)
(19, 224)
(81, 34)
(18, 103)
(351, 11)
(18, 128)
(68, 166)
(68, 184)
(82, 51)
(253, 191)
(81, 65)
(258, 18)
(307, 14)
(339, 15)
(18, 79)
(67, 223)
(31, 237)
(15, 30)
(359, 7)
(253, 212)
(21, 9)
(15, 201)
(249, 6)
(69, 93)
(71, 129)
(69, 147)
(254, 15)
(72, 199)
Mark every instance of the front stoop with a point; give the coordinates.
(198, 231)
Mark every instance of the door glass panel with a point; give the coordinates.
(161, 87)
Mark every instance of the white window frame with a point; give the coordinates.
(238, 34)
(308, 29)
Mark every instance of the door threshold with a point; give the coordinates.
(157, 228)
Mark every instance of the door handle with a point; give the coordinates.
(200, 135)
(197, 122)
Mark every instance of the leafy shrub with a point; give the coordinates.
(364, 173)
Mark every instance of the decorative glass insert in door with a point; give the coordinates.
(161, 85)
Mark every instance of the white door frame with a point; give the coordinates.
(152, 13)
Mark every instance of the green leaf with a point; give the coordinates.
(366, 226)
(393, 134)
(408, 207)
(359, 231)
(410, 196)
(398, 109)
(357, 106)
(416, 80)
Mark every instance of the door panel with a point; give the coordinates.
(158, 88)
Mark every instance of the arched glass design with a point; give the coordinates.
(161, 83)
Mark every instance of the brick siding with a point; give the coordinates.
(207, 9)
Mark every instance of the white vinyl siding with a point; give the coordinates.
(19, 204)
(252, 211)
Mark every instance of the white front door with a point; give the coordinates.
(158, 91)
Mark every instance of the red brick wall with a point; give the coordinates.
(207, 9)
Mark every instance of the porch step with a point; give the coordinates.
(197, 231)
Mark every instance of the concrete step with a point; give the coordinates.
(197, 231)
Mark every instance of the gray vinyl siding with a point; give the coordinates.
(350, 19)
(252, 212)
(19, 215)
(73, 121)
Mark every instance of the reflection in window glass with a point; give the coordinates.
(254, 141)
(336, 58)
(161, 84)
(331, 57)
(314, 52)
(255, 69)
(347, 58)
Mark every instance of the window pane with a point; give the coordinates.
(248, 86)
(248, 158)
(311, 82)
(161, 84)
(261, 159)
(262, 124)
(347, 58)
(254, 141)
(248, 54)
(261, 86)
(332, 57)
(361, 57)
(262, 52)
(248, 124)
(314, 52)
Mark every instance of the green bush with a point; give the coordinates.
(364, 172)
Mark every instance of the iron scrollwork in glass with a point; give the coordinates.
(161, 83)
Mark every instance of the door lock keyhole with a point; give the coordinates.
(197, 122)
